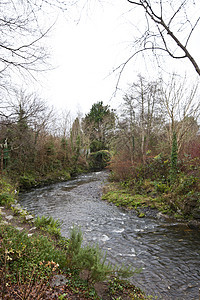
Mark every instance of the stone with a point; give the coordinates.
(102, 290)
(33, 228)
(19, 228)
(4, 223)
(2, 213)
(29, 217)
(10, 217)
(18, 206)
(58, 280)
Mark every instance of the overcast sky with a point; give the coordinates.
(86, 53)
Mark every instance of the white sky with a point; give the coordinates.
(85, 54)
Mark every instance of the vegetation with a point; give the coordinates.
(154, 185)
(152, 147)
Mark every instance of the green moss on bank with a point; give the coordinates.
(156, 195)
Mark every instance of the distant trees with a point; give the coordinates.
(36, 140)
(21, 123)
(182, 109)
(142, 117)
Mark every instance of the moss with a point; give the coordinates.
(123, 198)
(141, 215)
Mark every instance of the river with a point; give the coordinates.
(167, 251)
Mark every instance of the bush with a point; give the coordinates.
(26, 181)
(161, 187)
(121, 167)
(22, 255)
(6, 199)
(91, 258)
(157, 168)
(99, 160)
(186, 184)
(7, 195)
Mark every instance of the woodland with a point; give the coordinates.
(151, 145)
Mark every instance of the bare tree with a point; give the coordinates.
(170, 26)
(182, 107)
(23, 25)
(142, 114)
(26, 118)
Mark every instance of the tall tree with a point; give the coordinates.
(25, 118)
(99, 124)
(142, 114)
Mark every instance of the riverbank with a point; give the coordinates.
(35, 261)
(153, 244)
(149, 203)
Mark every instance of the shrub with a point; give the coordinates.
(161, 187)
(186, 184)
(6, 199)
(121, 167)
(91, 258)
(27, 181)
(22, 255)
(156, 168)
(99, 160)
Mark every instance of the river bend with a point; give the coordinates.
(168, 252)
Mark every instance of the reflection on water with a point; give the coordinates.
(168, 252)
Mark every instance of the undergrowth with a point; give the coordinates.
(29, 263)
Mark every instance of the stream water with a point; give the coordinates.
(167, 251)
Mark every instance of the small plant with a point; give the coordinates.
(6, 199)
(27, 181)
(63, 296)
(161, 187)
(27, 263)
(92, 259)
(48, 224)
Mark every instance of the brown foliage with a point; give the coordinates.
(121, 167)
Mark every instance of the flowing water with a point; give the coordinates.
(168, 251)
